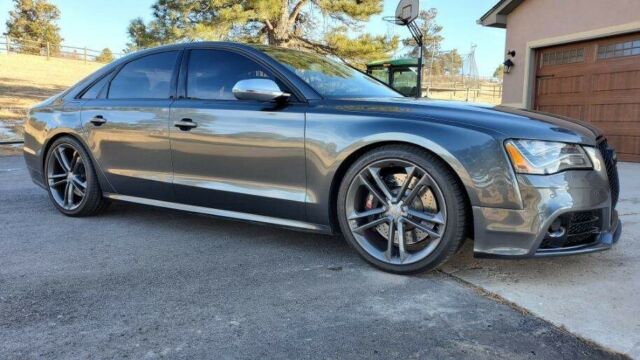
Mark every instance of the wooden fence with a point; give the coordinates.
(9, 45)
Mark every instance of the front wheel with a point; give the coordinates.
(402, 209)
(71, 179)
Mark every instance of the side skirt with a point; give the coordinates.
(291, 224)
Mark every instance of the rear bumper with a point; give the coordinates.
(35, 172)
(509, 233)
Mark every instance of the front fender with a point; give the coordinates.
(476, 157)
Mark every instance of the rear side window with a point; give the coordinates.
(95, 89)
(145, 78)
(213, 73)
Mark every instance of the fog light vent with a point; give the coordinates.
(573, 229)
(556, 230)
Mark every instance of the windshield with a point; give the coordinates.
(331, 79)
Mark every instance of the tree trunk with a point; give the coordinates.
(279, 34)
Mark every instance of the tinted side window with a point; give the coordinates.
(145, 78)
(95, 89)
(213, 73)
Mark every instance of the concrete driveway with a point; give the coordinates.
(595, 296)
(141, 282)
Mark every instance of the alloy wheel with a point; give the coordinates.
(66, 176)
(396, 211)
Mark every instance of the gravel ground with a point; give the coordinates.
(140, 282)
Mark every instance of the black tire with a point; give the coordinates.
(93, 202)
(452, 191)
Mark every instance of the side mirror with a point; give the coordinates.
(259, 90)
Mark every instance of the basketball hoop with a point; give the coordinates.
(394, 20)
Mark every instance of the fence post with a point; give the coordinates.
(85, 54)
(48, 50)
(467, 94)
(7, 38)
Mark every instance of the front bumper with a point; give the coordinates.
(520, 233)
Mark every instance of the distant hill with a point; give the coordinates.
(26, 80)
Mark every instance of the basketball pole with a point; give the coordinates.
(419, 93)
(418, 37)
(406, 14)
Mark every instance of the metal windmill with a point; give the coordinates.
(470, 67)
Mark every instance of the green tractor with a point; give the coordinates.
(400, 74)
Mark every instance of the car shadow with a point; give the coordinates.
(208, 227)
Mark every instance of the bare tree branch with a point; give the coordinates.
(269, 25)
(312, 45)
(296, 11)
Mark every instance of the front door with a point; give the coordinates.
(242, 156)
(127, 127)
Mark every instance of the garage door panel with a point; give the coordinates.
(622, 80)
(563, 71)
(576, 99)
(561, 85)
(618, 128)
(615, 113)
(571, 111)
(614, 97)
(629, 157)
(625, 145)
(562, 99)
(601, 86)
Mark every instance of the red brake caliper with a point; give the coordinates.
(369, 204)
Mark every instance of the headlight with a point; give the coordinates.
(545, 157)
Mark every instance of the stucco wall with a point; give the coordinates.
(536, 20)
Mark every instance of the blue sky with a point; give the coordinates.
(102, 23)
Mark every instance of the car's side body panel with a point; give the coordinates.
(132, 147)
(48, 121)
(336, 130)
(242, 156)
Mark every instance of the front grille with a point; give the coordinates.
(611, 163)
(582, 227)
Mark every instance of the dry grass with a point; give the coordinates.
(488, 93)
(25, 80)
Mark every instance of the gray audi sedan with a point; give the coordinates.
(298, 140)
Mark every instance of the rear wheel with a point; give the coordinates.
(71, 179)
(402, 209)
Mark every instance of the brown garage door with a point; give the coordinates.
(596, 81)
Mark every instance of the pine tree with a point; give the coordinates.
(499, 73)
(449, 63)
(32, 24)
(431, 37)
(286, 23)
(105, 56)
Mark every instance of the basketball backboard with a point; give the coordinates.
(407, 11)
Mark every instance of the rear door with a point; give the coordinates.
(242, 156)
(126, 121)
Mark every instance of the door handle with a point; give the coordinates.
(185, 124)
(98, 120)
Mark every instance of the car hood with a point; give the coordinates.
(501, 121)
